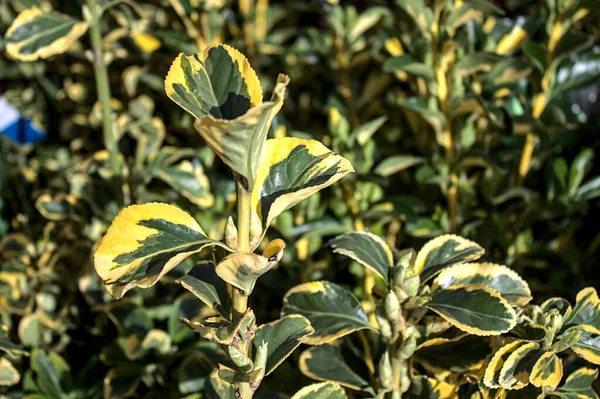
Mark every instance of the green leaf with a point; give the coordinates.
(122, 381)
(11, 349)
(580, 166)
(364, 132)
(222, 91)
(506, 72)
(420, 13)
(442, 252)
(471, 10)
(460, 354)
(407, 64)
(36, 34)
(397, 163)
(500, 278)
(367, 249)
(478, 310)
(579, 385)
(293, 169)
(9, 375)
(329, 363)
(52, 373)
(435, 119)
(537, 55)
(332, 310)
(585, 70)
(571, 42)
(475, 62)
(283, 337)
(323, 390)
(143, 243)
(204, 283)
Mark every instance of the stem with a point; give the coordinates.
(103, 88)
(240, 302)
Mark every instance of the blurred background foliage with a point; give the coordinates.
(473, 117)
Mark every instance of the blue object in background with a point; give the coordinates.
(16, 127)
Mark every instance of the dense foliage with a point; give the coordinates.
(462, 129)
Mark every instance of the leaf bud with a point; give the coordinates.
(411, 285)
(256, 229)
(408, 346)
(386, 375)
(392, 308)
(231, 234)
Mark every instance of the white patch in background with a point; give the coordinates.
(8, 114)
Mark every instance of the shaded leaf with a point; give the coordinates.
(332, 310)
(367, 249)
(283, 337)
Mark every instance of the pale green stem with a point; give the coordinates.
(240, 301)
(103, 87)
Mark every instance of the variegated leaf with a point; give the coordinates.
(242, 269)
(547, 372)
(588, 344)
(463, 353)
(189, 180)
(143, 243)
(517, 367)
(293, 169)
(562, 305)
(429, 388)
(332, 310)
(586, 310)
(222, 91)
(9, 375)
(500, 278)
(323, 390)
(478, 310)
(491, 378)
(36, 34)
(367, 249)
(579, 385)
(283, 336)
(332, 363)
(58, 207)
(442, 252)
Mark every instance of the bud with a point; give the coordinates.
(240, 359)
(231, 234)
(255, 229)
(386, 375)
(555, 320)
(400, 294)
(411, 285)
(385, 327)
(408, 346)
(392, 308)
